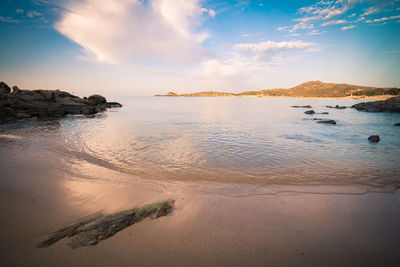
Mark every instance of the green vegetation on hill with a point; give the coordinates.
(309, 89)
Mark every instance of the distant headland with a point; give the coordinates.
(307, 89)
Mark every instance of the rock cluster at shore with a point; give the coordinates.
(392, 105)
(44, 104)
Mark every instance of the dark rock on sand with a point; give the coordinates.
(47, 104)
(323, 113)
(327, 121)
(310, 112)
(392, 105)
(336, 107)
(94, 230)
(374, 138)
(306, 106)
(4, 88)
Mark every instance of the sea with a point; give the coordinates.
(257, 145)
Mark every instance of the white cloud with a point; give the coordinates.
(8, 19)
(370, 10)
(304, 25)
(121, 30)
(334, 22)
(19, 11)
(265, 51)
(315, 32)
(386, 18)
(254, 34)
(33, 13)
(344, 28)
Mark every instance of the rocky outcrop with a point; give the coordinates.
(374, 138)
(46, 104)
(326, 121)
(94, 230)
(397, 124)
(337, 107)
(4, 88)
(95, 100)
(309, 112)
(392, 105)
(306, 106)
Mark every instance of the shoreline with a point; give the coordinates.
(381, 97)
(280, 229)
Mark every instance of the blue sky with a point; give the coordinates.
(132, 47)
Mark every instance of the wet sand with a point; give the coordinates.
(209, 227)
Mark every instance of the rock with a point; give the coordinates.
(317, 119)
(337, 107)
(374, 138)
(16, 90)
(171, 94)
(310, 112)
(47, 104)
(306, 106)
(89, 111)
(327, 121)
(48, 94)
(323, 113)
(113, 105)
(391, 105)
(397, 124)
(4, 88)
(95, 100)
(94, 230)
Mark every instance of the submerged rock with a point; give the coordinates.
(374, 138)
(92, 231)
(397, 124)
(310, 112)
(392, 104)
(46, 104)
(113, 105)
(306, 106)
(327, 121)
(337, 107)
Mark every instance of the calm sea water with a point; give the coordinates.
(240, 141)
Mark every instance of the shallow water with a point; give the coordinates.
(257, 142)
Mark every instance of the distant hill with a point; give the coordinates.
(308, 89)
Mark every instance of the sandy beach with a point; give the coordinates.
(209, 226)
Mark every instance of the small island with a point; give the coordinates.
(308, 89)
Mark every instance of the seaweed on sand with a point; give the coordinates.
(92, 231)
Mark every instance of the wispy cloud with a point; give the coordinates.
(20, 11)
(265, 51)
(159, 29)
(385, 19)
(325, 13)
(344, 28)
(8, 19)
(334, 22)
(33, 13)
(254, 34)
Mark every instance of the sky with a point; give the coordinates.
(144, 47)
